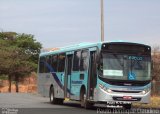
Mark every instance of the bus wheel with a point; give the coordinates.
(53, 100)
(60, 101)
(127, 106)
(84, 103)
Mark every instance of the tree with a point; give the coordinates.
(8, 35)
(31, 49)
(7, 60)
(18, 55)
(155, 69)
(29, 45)
(156, 63)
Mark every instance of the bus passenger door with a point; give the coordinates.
(92, 77)
(67, 83)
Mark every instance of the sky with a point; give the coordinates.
(59, 23)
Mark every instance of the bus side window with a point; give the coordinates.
(50, 60)
(54, 63)
(77, 55)
(83, 61)
(61, 62)
(41, 65)
(46, 64)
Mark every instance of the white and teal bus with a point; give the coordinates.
(117, 72)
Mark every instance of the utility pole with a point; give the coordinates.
(102, 21)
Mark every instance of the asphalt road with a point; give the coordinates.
(23, 103)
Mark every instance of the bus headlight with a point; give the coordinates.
(109, 90)
(145, 91)
(105, 89)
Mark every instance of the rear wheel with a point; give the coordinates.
(54, 100)
(84, 103)
(60, 101)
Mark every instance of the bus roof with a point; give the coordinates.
(80, 46)
(71, 48)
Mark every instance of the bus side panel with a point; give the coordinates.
(40, 84)
(48, 81)
(44, 82)
(59, 85)
(77, 80)
(75, 85)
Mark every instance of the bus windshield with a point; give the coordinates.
(126, 67)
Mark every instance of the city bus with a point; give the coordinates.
(103, 72)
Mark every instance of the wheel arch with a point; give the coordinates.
(83, 89)
(51, 86)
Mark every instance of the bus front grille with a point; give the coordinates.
(126, 91)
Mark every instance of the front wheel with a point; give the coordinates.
(84, 103)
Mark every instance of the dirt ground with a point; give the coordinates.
(27, 85)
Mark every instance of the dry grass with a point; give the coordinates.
(155, 103)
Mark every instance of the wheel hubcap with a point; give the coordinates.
(51, 97)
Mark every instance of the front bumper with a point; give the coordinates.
(103, 96)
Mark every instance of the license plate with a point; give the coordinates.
(127, 97)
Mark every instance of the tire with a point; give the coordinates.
(127, 106)
(60, 101)
(84, 103)
(54, 100)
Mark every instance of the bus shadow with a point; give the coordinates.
(76, 104)
(95, 107)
